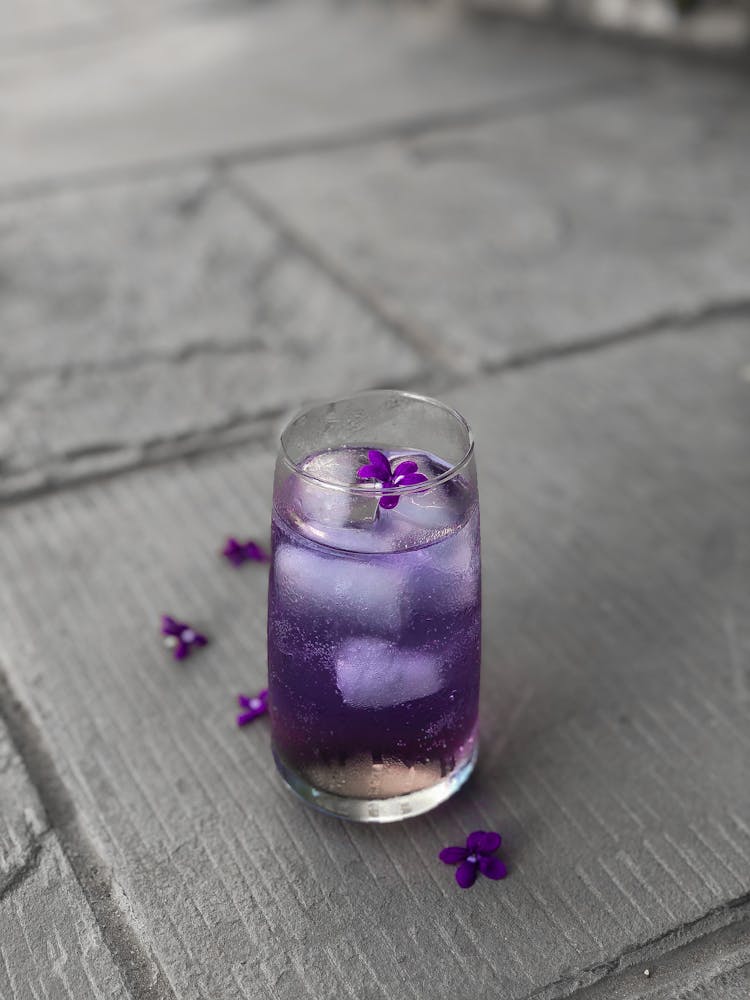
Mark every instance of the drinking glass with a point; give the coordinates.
(374, 607)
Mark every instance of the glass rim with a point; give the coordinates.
(358, 489)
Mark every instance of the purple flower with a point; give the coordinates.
(255, 705)
(405, 474)
(239, 552)
(180, 637)
(475, 857)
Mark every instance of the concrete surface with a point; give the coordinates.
(172, 291)
(146, 83)
(715, 26)
(50, 944)
(549, 232)
(22, 819)
(491, 236)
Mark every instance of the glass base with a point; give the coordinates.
(380, 810)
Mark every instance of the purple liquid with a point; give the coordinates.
(374, 632)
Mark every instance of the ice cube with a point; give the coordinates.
(329, 510)
(425, 511)
(359, 593)
(454, 555)
(373, 673)
(325, 510)
(338, 466)
(444, 576)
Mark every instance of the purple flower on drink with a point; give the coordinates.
(240, 552)
(254, 706)
(476, 856)
(405, 474)
(180, 637)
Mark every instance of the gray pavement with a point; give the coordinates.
(210, 213)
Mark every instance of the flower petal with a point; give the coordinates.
(411, 479)
(452, 855)
(380, 461)
(404, 468)
(256, 553)
(466, 874)
(371, 472)
(486, 843)
(255, 705)
(388, 502)
(169, 626)
(492, 867)
(199, 640)
(181, 650)
(261, 699)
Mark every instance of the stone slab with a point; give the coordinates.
(729, 986)
(556, 227)
(672, 970)
(156, 311)
(50, 946)
(149, 82)
(22, 819)
(714, 26)
(614, 709)
(42, 21)
(44, 25)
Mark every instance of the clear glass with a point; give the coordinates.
(374, 612)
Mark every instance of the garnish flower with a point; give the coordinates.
(180, 637)
(405, 474)
(477, 856)
(239, 552)
(255, 705)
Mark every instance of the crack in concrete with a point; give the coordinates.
(440, 356)
(140, 969)
(347, 137)
(240, 429)
(645, 952)
(19, 874)
(198, 348)
(415, 337)
(664, 322)
(687, 319)
(243, 429)
(91, 451)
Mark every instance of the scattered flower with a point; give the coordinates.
(254, 706)
(180, 637)
(405, 474)
(239, 552)
(476, 856)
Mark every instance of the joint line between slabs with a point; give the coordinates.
(141, 971)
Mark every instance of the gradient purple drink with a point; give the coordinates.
(374, 635)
